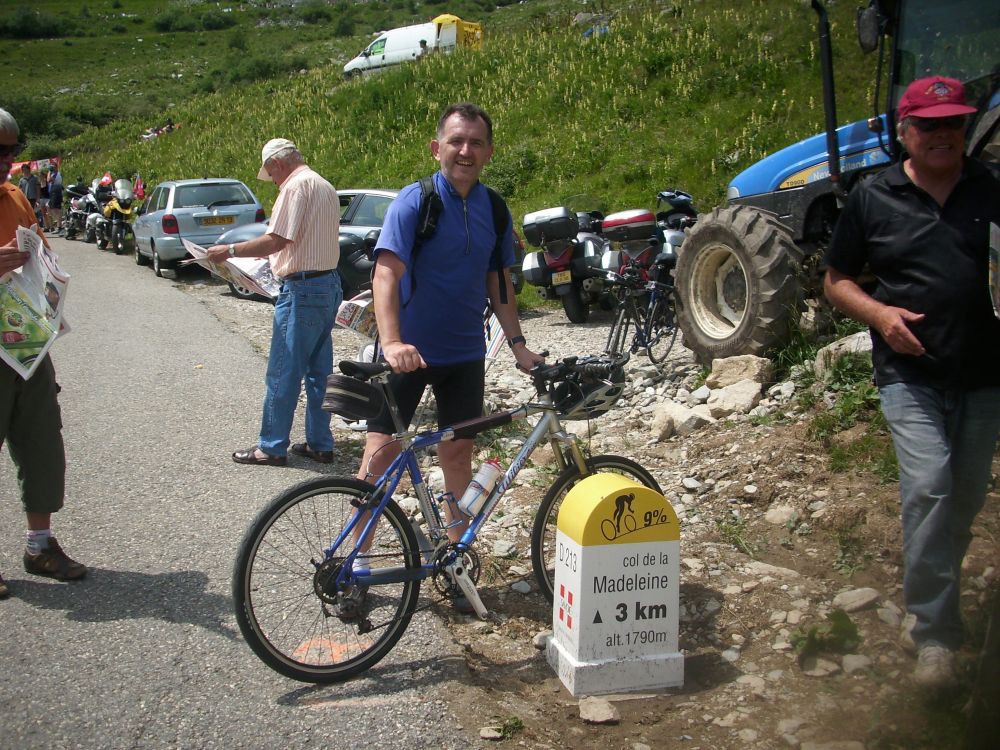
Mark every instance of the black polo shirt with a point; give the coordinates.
(932, 260)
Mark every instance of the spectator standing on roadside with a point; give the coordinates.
(302, 242)
(55, 197)
(43, 200)
(922, 227)
(430, 307)
(31, 188)
(30, 423)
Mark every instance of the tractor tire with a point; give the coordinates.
(739, 284)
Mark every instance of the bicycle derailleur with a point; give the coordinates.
(347, 605)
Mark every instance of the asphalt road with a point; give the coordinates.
(145, 652)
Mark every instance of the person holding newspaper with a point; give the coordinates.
(922, 228)
(301, 241)
(30, 423)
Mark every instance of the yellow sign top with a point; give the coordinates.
(613, 509)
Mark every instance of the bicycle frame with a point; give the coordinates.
(406, 463)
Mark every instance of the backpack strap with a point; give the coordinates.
(501, 215)
(430, 210)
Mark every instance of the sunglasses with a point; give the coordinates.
(930, 124)
(12, 149)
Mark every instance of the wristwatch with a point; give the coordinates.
(511, 342)
(232, 251)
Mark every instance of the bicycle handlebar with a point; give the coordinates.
(545, 375)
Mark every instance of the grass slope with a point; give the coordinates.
(682, 94)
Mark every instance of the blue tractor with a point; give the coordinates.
(748, 269)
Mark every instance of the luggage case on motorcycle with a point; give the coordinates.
(550, 225)
(627, 226)
(535, 270)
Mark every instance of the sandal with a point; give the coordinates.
(249, 456)
(321, 457)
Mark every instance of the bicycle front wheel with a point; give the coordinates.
(543, 532)
(285, 607)
(661, 330)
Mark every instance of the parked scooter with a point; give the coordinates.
(114, 228)
(567, 266)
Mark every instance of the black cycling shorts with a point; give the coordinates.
(458, 391)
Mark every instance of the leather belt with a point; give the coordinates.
(300, 275)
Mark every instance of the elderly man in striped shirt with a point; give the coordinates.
(302, 243)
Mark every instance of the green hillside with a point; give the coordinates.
(676, 94)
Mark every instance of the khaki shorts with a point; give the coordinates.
(31, 430)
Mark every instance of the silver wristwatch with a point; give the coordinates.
(232, 251)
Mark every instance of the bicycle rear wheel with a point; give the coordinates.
(543, 532)
(661, 330)
(618, 336)
(285, 605)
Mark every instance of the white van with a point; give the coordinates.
(393, 47)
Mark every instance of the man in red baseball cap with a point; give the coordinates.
(922, 227)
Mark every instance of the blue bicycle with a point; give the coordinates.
(328, 575)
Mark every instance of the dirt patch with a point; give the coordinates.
(744, 687)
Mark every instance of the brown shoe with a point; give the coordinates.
(303, 449)
(54, 563)
(4, 590)
(249, 456)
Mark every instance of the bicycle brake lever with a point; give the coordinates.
(460, 575)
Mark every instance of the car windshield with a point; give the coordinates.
(205, 196)
(371, 211)
(955, 39)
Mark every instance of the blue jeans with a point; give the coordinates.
(301, 347)
(945, 441)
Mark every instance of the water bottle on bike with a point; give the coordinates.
(480, 487)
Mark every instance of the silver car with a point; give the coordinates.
(196, 210)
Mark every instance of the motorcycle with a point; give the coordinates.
(568, 265)
(114, 228)
(97, 197)
(648, 242)
(76, 209)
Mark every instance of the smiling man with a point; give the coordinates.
(430, 294)
(922, 228)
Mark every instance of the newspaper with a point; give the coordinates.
(31, 304)
(994, 278)
(358, 314)
(251, 273)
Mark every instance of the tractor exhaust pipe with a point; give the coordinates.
(829, 99)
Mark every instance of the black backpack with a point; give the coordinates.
(431, 206)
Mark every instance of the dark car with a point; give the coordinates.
(361, 215)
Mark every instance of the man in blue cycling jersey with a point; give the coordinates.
(429, 297)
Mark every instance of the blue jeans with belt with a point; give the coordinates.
(301, 349)
(945, 441)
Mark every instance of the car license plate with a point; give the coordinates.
(213, 221)
(561, 277)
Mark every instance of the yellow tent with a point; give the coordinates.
(452, 29)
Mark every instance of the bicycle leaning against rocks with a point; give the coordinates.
(328, 575)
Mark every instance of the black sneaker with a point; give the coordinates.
(54, 563)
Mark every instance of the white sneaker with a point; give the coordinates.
(935, 667)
